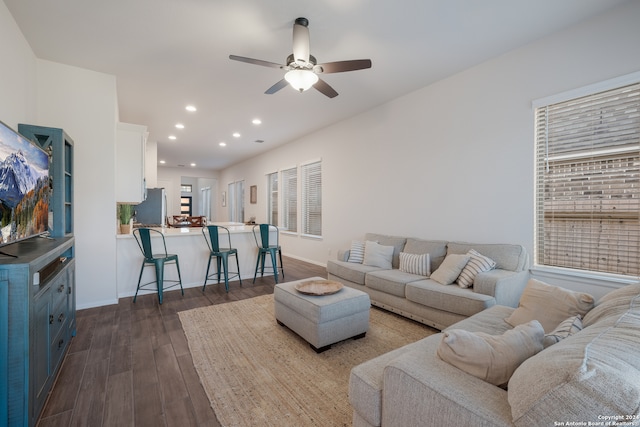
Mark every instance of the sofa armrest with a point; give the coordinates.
(422, 390)
(504, 285)
(343, 254)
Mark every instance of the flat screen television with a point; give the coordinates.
(24, 187)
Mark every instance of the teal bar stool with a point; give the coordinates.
(267, 246)
(211, 235)
(158, 260)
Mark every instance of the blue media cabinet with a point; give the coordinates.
(38, 294)
(37, 312)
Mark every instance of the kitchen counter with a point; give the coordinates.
(193, 255)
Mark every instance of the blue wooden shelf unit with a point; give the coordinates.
(38, 294)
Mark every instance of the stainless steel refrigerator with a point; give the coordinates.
(153, 211)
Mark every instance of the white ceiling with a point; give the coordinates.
(166, 54)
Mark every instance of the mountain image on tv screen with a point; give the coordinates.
(24, 187)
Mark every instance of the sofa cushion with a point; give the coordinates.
(453, 299)
(366, 379)
(365, 385)
(349, 271)
(506, 256)
(450, 269)
(415, 263)
(390, 281)
(490, 321)
(396, 241)
(613, 303)
(570, 326)
(549, 304)
(356, 254)
(437, 249)
(492, 358)
(596, 372)
(377, 255)
(478, 263)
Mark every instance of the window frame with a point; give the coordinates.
(288, 211)
(538, 265)
(272, 197)
(311, 198)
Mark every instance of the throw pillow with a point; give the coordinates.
(492, 358)
(415, 263)
(377, 255)
(450, 269)
(549, 304)
(477, 264)
(356, 254)
(565, 329)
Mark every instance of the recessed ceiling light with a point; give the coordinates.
(223, 144)
(191, 108)
(256, 121)
(236, 135)
(172, 137)
(193, 165)
(162, 162)
(179, 126)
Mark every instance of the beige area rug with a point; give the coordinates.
(257, 373)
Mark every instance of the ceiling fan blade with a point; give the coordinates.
(276, 87)
(255, 61)
(342, 66)
(301, 40)
(324, 88)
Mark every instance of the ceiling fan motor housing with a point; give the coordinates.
(302, 21)
(291, 61)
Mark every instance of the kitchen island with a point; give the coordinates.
(193, 254)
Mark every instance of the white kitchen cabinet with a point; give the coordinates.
(130, 163)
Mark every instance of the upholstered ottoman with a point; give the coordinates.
(322, 320)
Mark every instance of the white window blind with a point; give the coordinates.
(272, 198)
(236, 201)
(289, 189)
(588, 182)
(312, 199)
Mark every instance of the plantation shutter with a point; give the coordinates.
(289, 199)
(272, 196)
(312, 199)
(587, 182)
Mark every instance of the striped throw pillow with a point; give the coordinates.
(568, 327)
(415, 263)
(356, 254)
(477, 264)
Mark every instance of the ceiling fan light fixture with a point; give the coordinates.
(301, 80)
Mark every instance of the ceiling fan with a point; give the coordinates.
(302, 67)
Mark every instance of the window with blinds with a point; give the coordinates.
(289, 190)
(588, 182)
(312, 199)
(272, 198)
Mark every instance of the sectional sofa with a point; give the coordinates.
(414, 293)
(588, 373)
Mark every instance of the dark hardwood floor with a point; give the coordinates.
(129, 364)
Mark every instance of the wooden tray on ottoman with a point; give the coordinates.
(319, 287)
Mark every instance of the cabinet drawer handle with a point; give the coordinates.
(51, 319)
(61, 317)
(61, 288)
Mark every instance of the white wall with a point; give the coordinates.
(453, 160)
(18, 75)
(84, 104)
